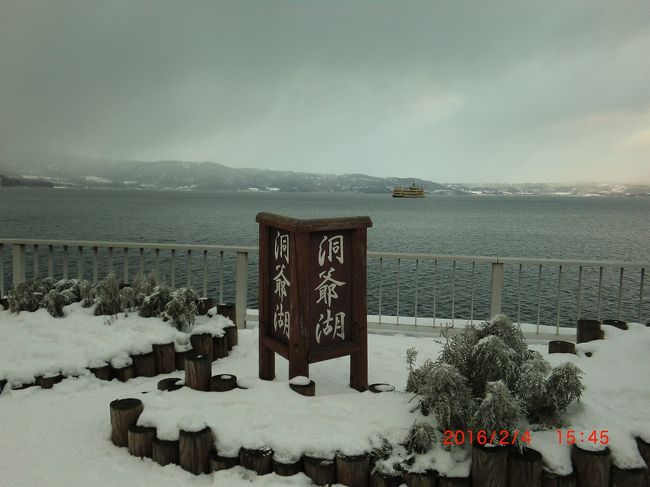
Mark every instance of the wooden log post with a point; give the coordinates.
(203, 305)
(46, 381)
(386, 479)
(219, 347)
(489, 466)
(124, 414)
(223, 383)
(422, 479)
(202, 345)
(170, 384)
(624, 477)
(591, 467)
(165, 452)
(644, 450)
(140, 439)
(165, 357)
(257, 460)
(621, 325)
(105, 372)
(553, 480)
(454, 482)
(287, 469)
(303, 386)
(23, 386)
(197, 372)
(194, 450)
(380, 387)
(588, 330)
(228, 310)
(232, 337)
(181, 356)
(559, 346)
(352, 470)
(321, 471)
(218, 462)
(3, 383)
(144, 365)
(124, 373)
(524, 468)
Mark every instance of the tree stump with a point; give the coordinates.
(352, 470)
(203, 305)
(380, 387)
(554, 480)
(591, 467)
(644, 450)
(202, 345)
(232, 337)
(633, 477)
(144, 365)
(124, 373)
(559, 346)
(23, 386)
(489, 466)
(219, 347)
(287, 469)
(421, 479)
(229, 311)
(259, 461)
(524, 468)
(181, 356)
(621, 325)
(46, 381)
(170, 384)
(223, 383)
(3, 383)
(217, 462)
(384, 479)
(165, 357)
(105, 372)
(321, 471)
(588, 330)
(304, 389)
(453, 481)
(197, 372)
(124, 413)
(165, 452)
(140, 439)
(194, 450)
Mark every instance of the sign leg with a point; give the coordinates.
(267, 363)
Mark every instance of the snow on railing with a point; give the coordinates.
(405, 290)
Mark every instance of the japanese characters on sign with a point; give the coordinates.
(281, 283)
(331, 290)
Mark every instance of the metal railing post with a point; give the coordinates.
(18, 262)
(241, 289)
(497, 288)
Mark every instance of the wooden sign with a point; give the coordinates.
(313, 293)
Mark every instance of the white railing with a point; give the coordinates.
(405, 291)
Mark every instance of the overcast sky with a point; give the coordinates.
(452, 91)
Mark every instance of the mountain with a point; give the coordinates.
(557, 189)
(80, 172)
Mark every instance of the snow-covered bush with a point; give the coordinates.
(420, 438)
(54, 302)
(107, 296)
(26, 296)
(87, 293)
(71, 288)
(154, 304)
(499, 410)
(128, 299)
(143, 287)
(181, 310)
(486, 378)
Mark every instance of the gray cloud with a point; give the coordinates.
(446, 90)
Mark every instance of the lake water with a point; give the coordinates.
(598, 228)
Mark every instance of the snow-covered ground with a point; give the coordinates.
(61, 437)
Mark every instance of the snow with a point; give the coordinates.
(300, 380)
(61, 436)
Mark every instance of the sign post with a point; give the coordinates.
(313, 304)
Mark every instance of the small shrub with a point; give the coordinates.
(54, 302)
(128, 299)
(26, 296)
(420, 438)
(181, 310)
(154, 304)
(494, 361)
(499, 410)
(107, 296)
(71, 288)
(87, 293)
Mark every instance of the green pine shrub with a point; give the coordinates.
(182, 309)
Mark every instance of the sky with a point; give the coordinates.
(450, 91)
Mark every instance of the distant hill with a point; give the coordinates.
(9, 181)
(78, 172)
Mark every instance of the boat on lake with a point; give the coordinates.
(411, 191)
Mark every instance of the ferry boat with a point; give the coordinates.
(412, 191)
